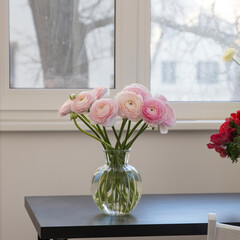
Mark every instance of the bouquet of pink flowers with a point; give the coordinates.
(133, 104)
(227, 141)
(116, 186)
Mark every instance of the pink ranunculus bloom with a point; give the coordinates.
(169, 121)
(170, 118)
(154, 111)
(129, 105)
(139, 89)
(101, 92)
(65, 108)
(104, 112)
(161, 97)
(83, 101)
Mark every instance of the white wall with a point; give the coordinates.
(57, 163)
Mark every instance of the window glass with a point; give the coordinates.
(61, 43)
(207, 72)
(193, 34)
(168, 72)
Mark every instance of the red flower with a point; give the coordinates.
(227, 132)
(221, 151)
(218, 140)
(225, 126)
(235, 117)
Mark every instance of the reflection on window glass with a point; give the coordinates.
(193, 34)
(61, 43)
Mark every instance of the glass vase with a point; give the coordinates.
(116, 186)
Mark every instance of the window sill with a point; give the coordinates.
(67, 125)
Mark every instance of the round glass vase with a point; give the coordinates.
(116, 186)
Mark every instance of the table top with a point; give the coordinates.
(155, 215)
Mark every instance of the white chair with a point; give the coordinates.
(219, 231)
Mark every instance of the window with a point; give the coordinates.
(145, 37)
(195, 33)
(13, 47)
(34, 107)
(207, 72)
(168, 72)
(62, 44)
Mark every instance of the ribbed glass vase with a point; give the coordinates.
(116, 186)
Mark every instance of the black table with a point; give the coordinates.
(64, 217)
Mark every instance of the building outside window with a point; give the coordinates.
(207, 72)
(168, 72)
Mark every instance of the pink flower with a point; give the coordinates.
(83, 101)
(170, 118)
(65, 108)
(161, 97)
(169, 121)
(154, 111)
(104, 112)
(101, 92)
(129, 105)
(139, 89)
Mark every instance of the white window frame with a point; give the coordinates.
(36, 109)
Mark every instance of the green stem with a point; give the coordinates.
(88, 124)
(102, 134)
(122, 127)
(141, 130)
(126, 136)
(82, 115)
(90, 135)
(133, 129)
(235, 61)
(96, 129)
(106, 135)
(129, 126)
(118, 140)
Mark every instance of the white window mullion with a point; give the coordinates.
(126, 42)
(143, 42)
(4, 56)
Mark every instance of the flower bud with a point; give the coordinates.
(228, 54)
(72, 96)
(73, 115)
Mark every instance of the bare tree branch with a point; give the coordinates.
(220, 37)
(100, 23)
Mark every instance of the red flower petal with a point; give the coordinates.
(212, 145)
(219, 138)
(221, 151)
